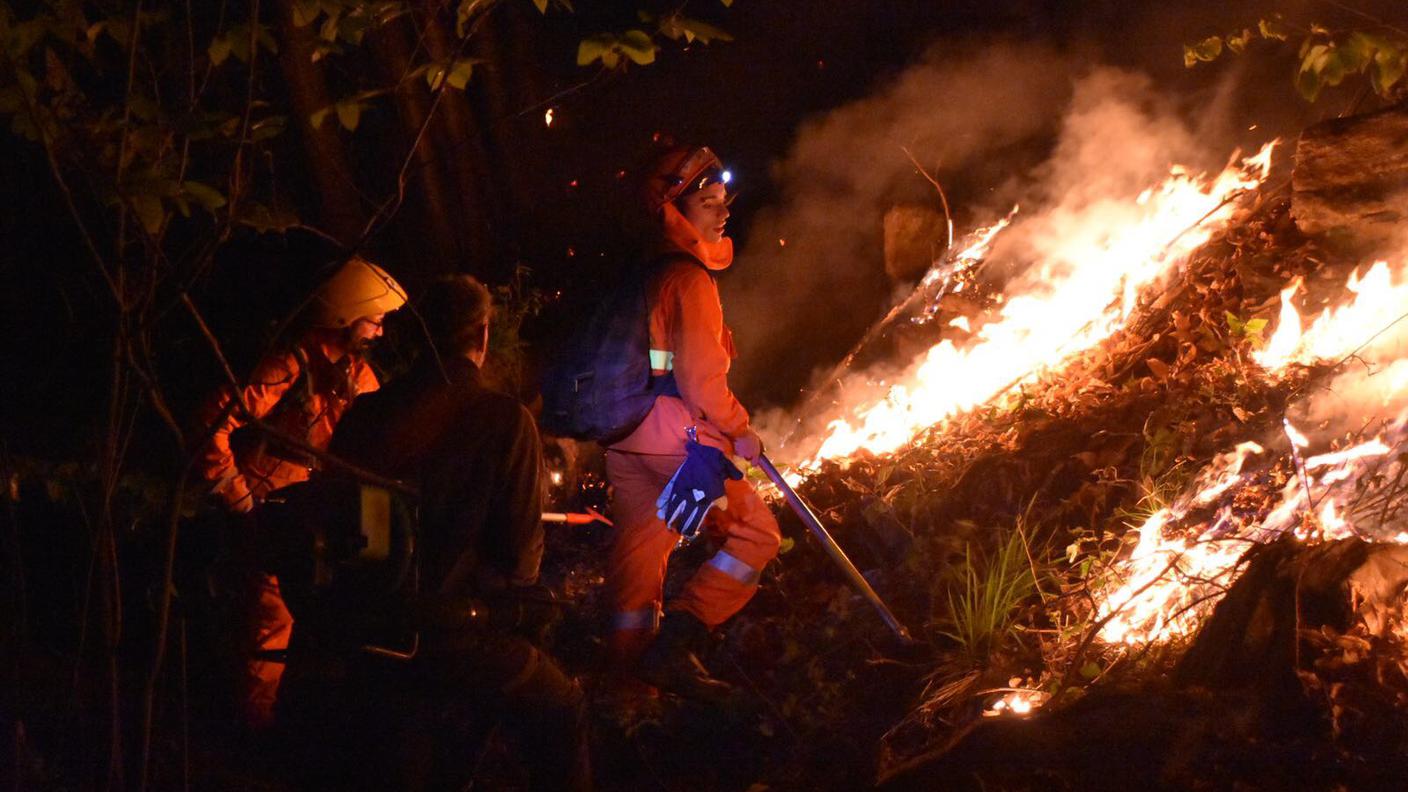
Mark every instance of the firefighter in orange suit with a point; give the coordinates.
(686, 194)
(300, 393)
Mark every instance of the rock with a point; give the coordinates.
(914, 237)
(1351, 177)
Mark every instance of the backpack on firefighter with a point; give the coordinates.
(601, 387)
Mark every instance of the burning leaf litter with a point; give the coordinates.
(1142, 353)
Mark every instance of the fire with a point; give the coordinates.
(1380, 300)
(1089, 281)
(1017, 701)
(1189, 553)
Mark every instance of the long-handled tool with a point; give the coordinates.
(834, 550)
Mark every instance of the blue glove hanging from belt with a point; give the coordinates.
(696, 487)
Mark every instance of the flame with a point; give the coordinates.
(1380, 299)
(1181, 564)
(1090, 281)
(1019, 702)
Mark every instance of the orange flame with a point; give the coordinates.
(1088, 284)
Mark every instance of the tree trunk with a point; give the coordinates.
(340, 212)
(1351, 177)
(458, 136)
(432, 226)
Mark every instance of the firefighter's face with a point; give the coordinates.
(707, 210)
(363, 332)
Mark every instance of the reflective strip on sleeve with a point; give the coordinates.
(735, 569)
(661, 360)
(647, 619)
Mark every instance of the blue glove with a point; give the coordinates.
(695, 488)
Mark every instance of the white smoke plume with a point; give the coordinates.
(811, 277)
(1114, 136)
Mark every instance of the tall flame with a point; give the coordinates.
(1091, 278)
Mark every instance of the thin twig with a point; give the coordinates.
(943, 197)
(1365, 15)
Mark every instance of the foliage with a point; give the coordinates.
(514, 303)
(639, 46)
(1326, 57)
(162, 126)
(983, 601)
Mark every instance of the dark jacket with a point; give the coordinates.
(475, 456)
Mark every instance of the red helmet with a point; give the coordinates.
(679, 171)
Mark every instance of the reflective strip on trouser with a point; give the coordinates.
(662, 360)
(735, 569)
(642, 619)
(642, 545)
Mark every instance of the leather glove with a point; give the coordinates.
(696, 487)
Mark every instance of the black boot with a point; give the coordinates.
(670, 662)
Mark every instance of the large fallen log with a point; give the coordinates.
(1351, 177)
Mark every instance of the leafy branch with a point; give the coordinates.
(1326, 57)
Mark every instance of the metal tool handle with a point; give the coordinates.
(834, 550)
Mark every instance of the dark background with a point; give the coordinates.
(557, 190)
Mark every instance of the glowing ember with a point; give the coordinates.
(1089, 282)
(1018, 702)
(547, 117)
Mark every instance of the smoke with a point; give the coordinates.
(996, 125)
(811, 277)
(1101, 136)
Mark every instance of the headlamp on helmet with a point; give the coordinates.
(687, 172)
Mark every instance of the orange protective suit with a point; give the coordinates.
(688, 336)
(301, 393)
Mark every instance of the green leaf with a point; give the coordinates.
(149, 211)
(316, 119)
(269, 127)
(1358, 50)
(1204, 51)
(1238, 41)
(1090, 670)
(329, 28)
(1309, 80)
(638, 46)
(1273, 29)
(267, 40)
(460, 72)
(219, 50)
(1254, 327)
(434, 75)
(305, 12)
(208, 197)
(264, 220)
(694, 30)
(349, 113)
(464, 12)
(594, 48)
(1389, 67)
(786, 547)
